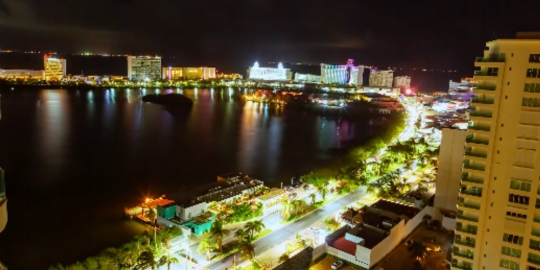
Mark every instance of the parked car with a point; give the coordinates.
(408, 243)
(337, 264)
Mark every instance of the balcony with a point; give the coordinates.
(468, 255)
(470, 205)
(472, 179)
(465, 243)
(481, 114)
(524, 165)
(462, 266)
(535, 233)
(482, 101)
(475, 167)
(472, 193)
(534, 261)
(485, 73)
(475, 154)
(468, 229)
(536, 219)
(480, 127)
(484, 86)
(471, 139)
(491, 59)
(469, 218)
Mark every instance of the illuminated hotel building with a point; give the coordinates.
(144, 68)
(403, 82)
(342, 74)
(269, 74)
(55, 68)
(192, 73)
(22, 74)
(383, 78)
(498, 218)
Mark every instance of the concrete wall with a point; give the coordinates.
(363, 256)
(449, 223)
(450, 168)
(388, 244)
(341, 254)
(192, 211)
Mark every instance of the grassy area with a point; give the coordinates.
(262, 234)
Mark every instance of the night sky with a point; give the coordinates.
(233, 34)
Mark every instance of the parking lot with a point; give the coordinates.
(326, 264)
(400, 258)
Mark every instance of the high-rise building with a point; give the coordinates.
(55, 68)
(498, 219)
(192, 73)
(342, 74)
(382, 78)
(403, 82)
(144, 68)
(450, 164)
(269, 74)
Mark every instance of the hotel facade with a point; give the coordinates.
(55, 68)
(190, 73)
(269, 74)
(498, 218)
(144, 68)
(342, 74)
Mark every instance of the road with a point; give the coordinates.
(292, 229)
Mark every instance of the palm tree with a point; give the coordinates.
(206, 246)
(323, 190)
(240, 234)
(151, 215)
(253, 227)
(246, 248)
(313, 197)
(168, 259)
(146, 259)
(375, 168)
(217, 233)
(285, 210)
(417, 250)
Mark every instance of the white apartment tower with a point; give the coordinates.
(381, 78)
(144, 68)
(403, 82)
(498, 219)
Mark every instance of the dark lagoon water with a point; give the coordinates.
(75, 159)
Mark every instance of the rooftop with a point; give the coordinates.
(272, 194)
(397, 208)
(216, 191)
(159, 201)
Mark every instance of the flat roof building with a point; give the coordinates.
(190, 73)
(144, 68)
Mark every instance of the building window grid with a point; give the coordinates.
(512, 252)
(533, 258)
(533, 73)
(509, 264)
(520, 185)
(513, 198)
(518, 215)
(534, 58)
(534, 244)
(511, 238)
(532, 87)
(530, 102)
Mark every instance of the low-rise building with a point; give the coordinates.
(272, 198)
(373, 232)
(22, 74)
(190, 73)
(382, 78)
(307, 78)
(231, 76)
(402, 82)
(201, 224)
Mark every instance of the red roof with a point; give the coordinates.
(344, 245)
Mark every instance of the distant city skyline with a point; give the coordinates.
(232, 36)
